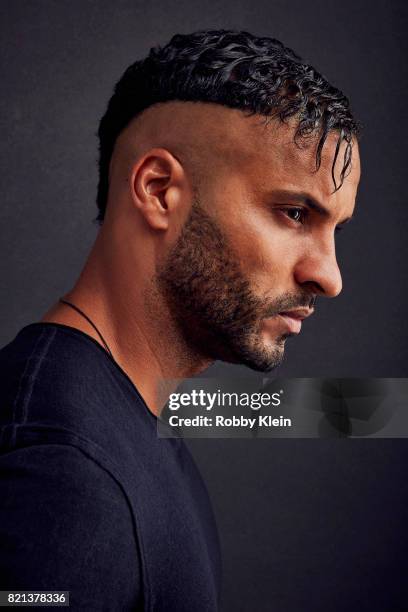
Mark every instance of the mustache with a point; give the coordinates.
(288, 302)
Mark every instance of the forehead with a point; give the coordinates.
(270, 155)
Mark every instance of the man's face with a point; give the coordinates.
(259, 245)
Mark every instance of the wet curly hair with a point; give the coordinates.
(257, 75)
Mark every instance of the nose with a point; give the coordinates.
(319, 271)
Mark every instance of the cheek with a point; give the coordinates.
(267, 254)
(262, 247)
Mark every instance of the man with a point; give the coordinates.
(226, 167)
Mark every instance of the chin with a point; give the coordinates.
(263, 366)
(264, 358)
(254, 351)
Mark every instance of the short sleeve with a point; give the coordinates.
(65, 525)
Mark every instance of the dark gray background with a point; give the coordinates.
(307, 524)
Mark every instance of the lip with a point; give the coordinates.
(294, 325)
(298, 313)
(293, 318)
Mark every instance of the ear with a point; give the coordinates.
(159, 187)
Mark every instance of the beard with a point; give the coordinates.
(211, 301)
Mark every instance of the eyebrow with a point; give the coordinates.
(302, 197)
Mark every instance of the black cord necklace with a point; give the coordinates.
(89, 321)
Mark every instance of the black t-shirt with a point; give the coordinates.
(92, 501)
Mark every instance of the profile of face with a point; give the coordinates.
(258, 246)
(237, 225)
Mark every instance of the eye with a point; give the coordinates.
(296, 214)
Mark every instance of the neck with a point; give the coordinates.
(121, 300)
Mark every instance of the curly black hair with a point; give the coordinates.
(257, 75)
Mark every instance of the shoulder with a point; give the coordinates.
(53, 377)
